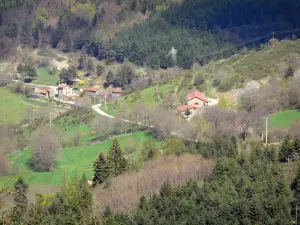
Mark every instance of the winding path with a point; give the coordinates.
(97, 109)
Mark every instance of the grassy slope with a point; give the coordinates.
(44, 77)
(284, 119)
(254, 65)
(70, 161)
(13, 105)
(147, 96)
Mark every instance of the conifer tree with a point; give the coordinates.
(286, 149)
(296, 146)
(20, 199)
(289, 72)
(99, 70)
(101, 170)
(116, 159)
(296, 191)
(81, 62)
(90, 66)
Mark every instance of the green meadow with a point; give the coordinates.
(70, 161)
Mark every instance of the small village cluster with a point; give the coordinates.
(67, 93)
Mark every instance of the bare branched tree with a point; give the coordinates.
(45, 145)
(103, 125)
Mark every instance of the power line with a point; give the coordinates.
(250, 41)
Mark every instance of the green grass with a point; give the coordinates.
(148, 96)
(44, 77)
(284, 119)
(253, 65)
(13, 106)
(70, 161)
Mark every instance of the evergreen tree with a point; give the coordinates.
(68, 75)
(116, 159)
(296, 191)
(289, 72)
(90, 66)
(81, 62)
(95, 20)
(101, 170)
(110, 77)
(99, 70)
(20, 199)
(296, 146)
(26, 33)
(286, 149)
(58, 34)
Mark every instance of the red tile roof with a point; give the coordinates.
(43, 92)
(183, 108)
(117, 91)
(197, 94)
(91, 89)
(62, 85)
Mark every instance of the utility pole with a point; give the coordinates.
(266, 130)
(50, 120)
(4, 115)
(105, 100)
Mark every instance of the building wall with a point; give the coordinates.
(68, 91)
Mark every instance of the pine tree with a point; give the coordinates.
(296, 191)
(81, 62)
(20, 199)
(289, 72)
(99, 70)
(101, 170)
(116, 159)
(296, 146)
(90, 66)
(286, 149)
(95, 20)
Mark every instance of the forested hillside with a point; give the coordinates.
(198, 29)
(161, 33)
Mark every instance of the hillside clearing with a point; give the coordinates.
(70, 161)
(45, 77)
(284, 119)
(12, 107)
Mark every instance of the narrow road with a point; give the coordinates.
(97, 109)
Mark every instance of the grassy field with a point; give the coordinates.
(44, 77)
(148, 96)
(13, 107)
(284, 119)
(71, 161)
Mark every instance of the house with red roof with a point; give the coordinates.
(65, 90)
(195, 100)
(47, 92)
(117, 92)
(91, 91)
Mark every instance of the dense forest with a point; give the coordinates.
(198, 29)
(176, 32)
(248, 189)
